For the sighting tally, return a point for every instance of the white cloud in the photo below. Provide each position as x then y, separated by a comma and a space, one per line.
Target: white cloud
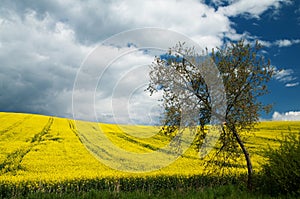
287, 116
39, 58
252, 8
43, 44
94, 21
114, 92
292, 84
279, 43
286, 42
285, 76
283, 43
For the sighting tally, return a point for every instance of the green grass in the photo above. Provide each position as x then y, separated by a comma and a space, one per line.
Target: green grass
222, 192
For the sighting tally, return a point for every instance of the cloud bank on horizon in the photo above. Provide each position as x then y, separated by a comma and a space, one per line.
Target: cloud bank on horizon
288, 116
43, 44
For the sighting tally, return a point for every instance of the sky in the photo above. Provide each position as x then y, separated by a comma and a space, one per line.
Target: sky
89, 59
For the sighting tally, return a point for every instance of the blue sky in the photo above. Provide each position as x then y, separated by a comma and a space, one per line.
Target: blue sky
45, 45
279, 31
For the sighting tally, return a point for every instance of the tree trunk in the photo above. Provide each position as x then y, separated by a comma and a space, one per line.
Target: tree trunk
247, 157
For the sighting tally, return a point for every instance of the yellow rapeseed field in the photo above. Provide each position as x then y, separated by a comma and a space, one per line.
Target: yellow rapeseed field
39, 148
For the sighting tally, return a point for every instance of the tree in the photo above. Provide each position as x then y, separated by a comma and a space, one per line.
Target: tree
183, 75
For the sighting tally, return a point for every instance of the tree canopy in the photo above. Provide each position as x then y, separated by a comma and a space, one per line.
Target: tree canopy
223, 86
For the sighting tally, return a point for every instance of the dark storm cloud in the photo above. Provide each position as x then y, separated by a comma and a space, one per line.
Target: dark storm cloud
92, 20
39, 58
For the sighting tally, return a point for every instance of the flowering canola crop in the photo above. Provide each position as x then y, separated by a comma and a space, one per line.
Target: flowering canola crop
36, 149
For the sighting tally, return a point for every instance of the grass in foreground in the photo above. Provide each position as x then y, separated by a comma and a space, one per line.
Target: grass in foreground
228, 191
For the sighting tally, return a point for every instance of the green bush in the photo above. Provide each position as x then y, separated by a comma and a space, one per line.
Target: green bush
281, 173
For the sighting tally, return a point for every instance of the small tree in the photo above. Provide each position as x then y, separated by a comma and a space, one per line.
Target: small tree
244, 73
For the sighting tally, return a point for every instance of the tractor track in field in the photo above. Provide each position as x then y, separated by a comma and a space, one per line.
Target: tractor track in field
73, 129
102, 152
136, 142
39, 136
12, 162
87, 144
147, 145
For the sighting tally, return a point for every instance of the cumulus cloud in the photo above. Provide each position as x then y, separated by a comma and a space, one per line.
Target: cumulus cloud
251, 8
38, 57
43, 43
287, 116
115, 89
286, 42
93, 21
